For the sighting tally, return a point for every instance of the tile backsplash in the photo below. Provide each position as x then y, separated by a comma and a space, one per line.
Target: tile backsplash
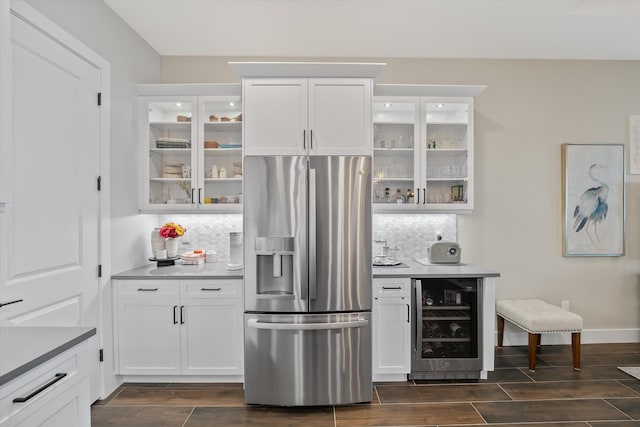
409, 235
207, 232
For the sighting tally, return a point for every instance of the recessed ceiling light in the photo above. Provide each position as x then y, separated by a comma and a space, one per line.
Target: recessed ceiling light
387, 105
439, 105
231, 104
178, 104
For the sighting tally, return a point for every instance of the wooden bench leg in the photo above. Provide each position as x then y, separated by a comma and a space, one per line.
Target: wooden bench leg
500, 330
575, 350
534, 339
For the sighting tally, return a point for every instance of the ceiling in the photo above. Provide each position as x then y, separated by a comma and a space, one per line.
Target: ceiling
547, 29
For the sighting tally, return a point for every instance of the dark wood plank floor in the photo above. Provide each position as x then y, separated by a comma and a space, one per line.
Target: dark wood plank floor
600, 395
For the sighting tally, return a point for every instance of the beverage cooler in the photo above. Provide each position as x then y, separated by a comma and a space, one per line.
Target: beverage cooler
447, 331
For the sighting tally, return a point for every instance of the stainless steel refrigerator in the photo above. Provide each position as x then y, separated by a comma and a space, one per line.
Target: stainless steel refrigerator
307, 280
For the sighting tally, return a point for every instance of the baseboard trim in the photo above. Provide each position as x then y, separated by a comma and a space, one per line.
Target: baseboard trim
381, 378
589, 336
181, 378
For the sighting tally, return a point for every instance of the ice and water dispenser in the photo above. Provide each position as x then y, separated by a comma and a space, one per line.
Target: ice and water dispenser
274, 266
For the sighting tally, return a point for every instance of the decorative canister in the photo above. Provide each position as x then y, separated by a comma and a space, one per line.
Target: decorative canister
235, 249
157, 242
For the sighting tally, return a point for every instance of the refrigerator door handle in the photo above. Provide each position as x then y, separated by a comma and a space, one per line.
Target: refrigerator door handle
358, 323
312, 234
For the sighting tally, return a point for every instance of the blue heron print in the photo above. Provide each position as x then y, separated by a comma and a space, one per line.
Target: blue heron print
592, 207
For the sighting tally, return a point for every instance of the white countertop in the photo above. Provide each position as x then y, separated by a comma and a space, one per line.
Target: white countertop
24, 348
218, 270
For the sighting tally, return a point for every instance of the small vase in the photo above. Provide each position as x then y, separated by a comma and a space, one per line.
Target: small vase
172, 247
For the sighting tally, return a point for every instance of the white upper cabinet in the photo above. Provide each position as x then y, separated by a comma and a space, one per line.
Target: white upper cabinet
190, 148
306, 108
277, 116
326, 116
423, 148
340, 117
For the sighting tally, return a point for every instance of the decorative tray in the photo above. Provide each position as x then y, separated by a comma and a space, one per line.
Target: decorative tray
385, 262
165, 262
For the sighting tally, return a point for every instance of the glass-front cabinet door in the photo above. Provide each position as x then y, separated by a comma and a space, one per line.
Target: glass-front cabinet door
191, 149
220, 182
169, 138
423, 154
448, 158
396, 168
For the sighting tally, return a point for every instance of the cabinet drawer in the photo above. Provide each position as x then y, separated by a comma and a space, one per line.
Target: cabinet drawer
44, 382
223, 288
396, 287
148, 289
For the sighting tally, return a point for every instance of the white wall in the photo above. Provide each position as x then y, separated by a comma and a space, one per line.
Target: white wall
530, 108
132, 61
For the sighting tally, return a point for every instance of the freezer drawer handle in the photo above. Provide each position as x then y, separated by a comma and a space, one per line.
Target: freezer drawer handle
255, 323
396, 288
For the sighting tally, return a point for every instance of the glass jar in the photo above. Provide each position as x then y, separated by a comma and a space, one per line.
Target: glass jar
235, 248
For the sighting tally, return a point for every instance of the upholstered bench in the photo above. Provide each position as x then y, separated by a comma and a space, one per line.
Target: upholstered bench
537, 317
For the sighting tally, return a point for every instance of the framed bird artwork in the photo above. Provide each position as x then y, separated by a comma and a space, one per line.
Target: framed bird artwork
593, 199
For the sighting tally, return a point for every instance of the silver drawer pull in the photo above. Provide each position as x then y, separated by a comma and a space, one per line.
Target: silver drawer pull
147, 289
57, 378
395, 288
210, 289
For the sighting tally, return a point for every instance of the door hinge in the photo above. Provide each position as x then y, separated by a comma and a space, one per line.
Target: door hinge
100, 270
99, 98
99, 183
101, 355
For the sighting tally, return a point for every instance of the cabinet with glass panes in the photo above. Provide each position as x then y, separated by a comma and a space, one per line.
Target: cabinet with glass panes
190, 148
423, 148
221, 162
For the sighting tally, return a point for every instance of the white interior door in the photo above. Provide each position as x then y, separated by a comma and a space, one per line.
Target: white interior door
51, 216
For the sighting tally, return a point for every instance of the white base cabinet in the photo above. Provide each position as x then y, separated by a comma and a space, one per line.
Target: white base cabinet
178, 327
391, 329
212, 343
52, 400
148, 327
